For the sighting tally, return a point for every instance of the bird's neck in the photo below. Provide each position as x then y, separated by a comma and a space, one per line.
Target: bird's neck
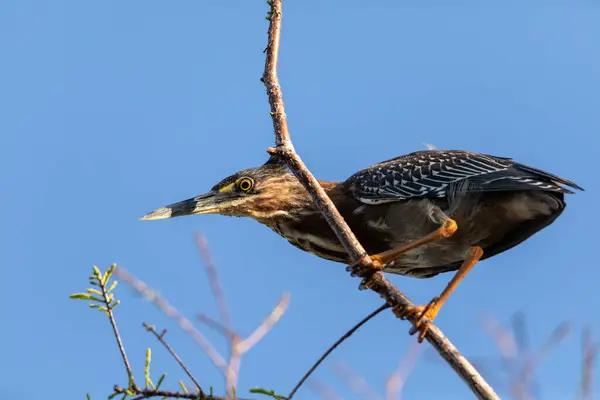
295, 204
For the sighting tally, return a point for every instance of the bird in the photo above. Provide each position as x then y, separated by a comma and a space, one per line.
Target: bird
418, 215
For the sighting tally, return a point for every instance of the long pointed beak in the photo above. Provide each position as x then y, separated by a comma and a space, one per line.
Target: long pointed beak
204, 204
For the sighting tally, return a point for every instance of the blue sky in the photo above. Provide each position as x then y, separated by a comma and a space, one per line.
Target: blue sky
111, 109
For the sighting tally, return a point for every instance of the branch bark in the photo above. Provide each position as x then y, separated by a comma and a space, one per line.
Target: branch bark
284, 149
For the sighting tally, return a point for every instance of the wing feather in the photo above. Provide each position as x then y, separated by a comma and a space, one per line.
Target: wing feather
435, 173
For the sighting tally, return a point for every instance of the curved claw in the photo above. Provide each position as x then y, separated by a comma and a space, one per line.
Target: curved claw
423, 317
358, 268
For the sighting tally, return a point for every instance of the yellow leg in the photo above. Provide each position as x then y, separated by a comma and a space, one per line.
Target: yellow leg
447, 229
430, 311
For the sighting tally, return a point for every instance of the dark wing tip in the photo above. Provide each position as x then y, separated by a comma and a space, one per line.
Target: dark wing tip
555, 179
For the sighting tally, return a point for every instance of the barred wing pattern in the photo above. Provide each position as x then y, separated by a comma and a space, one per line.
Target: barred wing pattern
436, 173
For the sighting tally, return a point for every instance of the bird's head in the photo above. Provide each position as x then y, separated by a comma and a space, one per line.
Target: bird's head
263, 193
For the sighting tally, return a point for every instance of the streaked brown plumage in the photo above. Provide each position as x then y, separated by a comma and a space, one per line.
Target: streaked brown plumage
495, 202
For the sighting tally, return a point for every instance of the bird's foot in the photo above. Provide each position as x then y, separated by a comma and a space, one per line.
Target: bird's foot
365, 270
421, 316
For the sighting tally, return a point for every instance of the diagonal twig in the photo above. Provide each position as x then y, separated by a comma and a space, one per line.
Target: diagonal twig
106, 297
590, 353
266, 325
214, 324
504, 339
396, 381
323, 390
354, 381
233, 366
215, 282
172, 312
237, 345
165, 394
522, 382
285, 151
334, 346
162, 340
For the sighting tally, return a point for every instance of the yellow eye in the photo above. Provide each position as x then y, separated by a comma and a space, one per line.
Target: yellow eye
245, 184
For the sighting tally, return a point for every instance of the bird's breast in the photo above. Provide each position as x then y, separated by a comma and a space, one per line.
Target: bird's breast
313, 239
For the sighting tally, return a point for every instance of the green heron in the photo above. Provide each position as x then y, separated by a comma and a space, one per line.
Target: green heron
418, 215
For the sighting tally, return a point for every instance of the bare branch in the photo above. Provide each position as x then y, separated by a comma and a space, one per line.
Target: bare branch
237, 346
396, 381
215, 282
266, 325
232, 370
357, 383
162, 340
334, 346
172, 312
504, 339
378, 283
216, 325
151, 393
590, 352
113, 323
522, 381
323, 390
521, 333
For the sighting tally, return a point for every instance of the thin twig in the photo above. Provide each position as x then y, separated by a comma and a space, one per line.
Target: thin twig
334, 346
323, 390
151, 393
266, 325
113, 323
521, 334
172, 312
504, 339
523, 380
215, 282
354, 381
590, 352
396, 381
378, 283
214, 324
517, 359
233, 366
162, 340
237, 345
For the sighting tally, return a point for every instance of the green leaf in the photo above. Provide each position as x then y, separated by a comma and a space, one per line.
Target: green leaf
99, 307
183, 386
81, 296
116, 303
160, 380
108, 273
112, 396
147, 368
270, 393
97, 273
112, 286
88, 397
94, 291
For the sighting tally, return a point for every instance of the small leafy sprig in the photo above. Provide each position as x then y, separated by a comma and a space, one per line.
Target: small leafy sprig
102, 298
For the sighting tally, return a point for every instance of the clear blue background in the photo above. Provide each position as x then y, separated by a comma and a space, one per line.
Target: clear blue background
111, 109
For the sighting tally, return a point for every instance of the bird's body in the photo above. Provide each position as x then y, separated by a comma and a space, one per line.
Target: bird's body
495, 202
494, 221
419, 215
